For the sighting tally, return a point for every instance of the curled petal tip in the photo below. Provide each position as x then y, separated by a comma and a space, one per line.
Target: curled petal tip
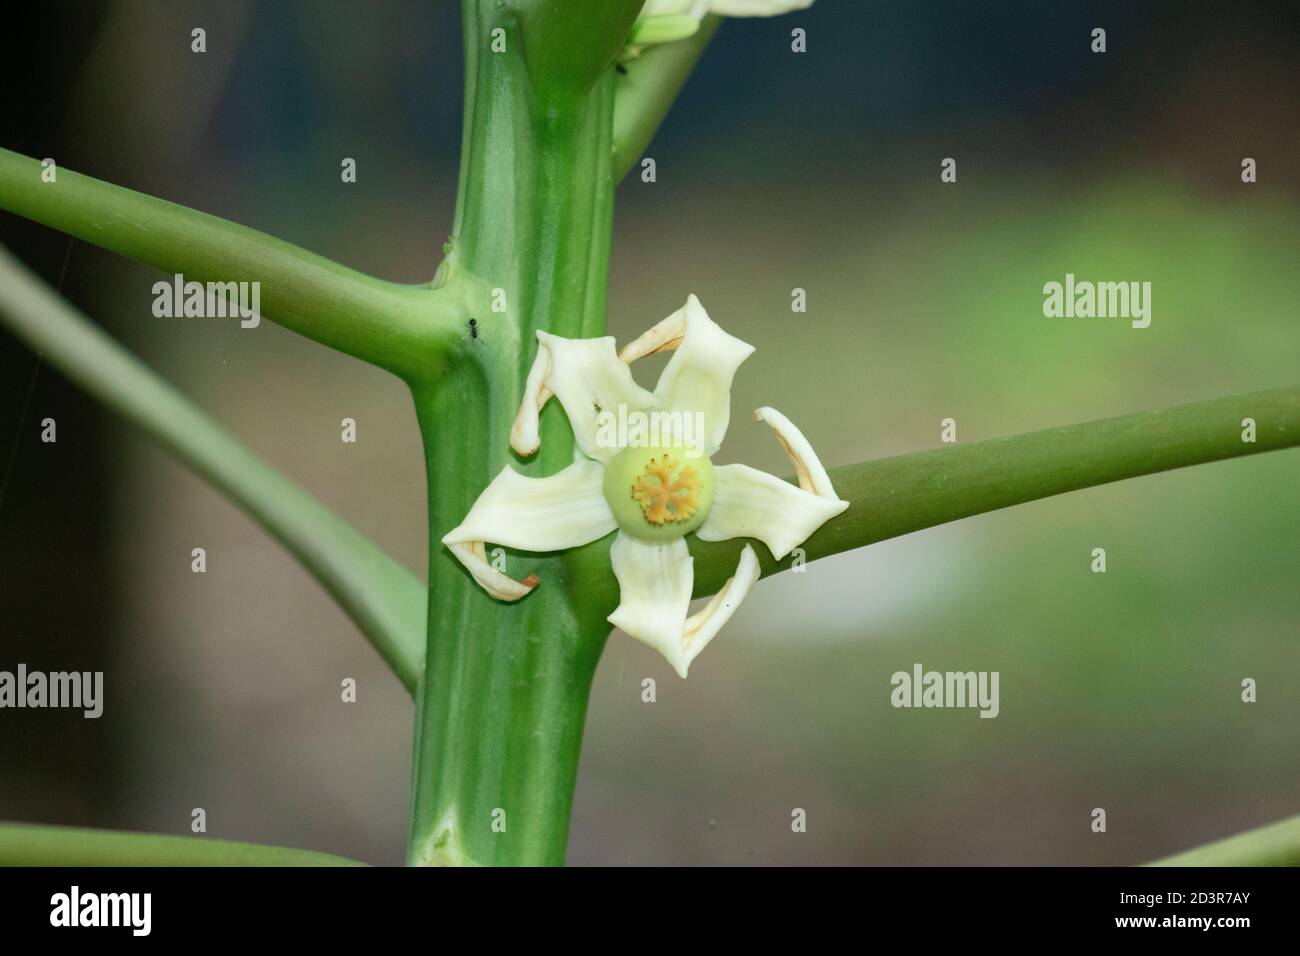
808, 467
473, 556
523, 436
561, 511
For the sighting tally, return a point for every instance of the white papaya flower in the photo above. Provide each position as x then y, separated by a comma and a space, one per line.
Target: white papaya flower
643, 467
662, 21
756, 8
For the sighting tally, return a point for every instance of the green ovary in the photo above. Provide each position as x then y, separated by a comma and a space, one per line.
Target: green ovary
658, 494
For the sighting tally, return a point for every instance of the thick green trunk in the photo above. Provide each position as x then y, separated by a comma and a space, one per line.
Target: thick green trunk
501, 706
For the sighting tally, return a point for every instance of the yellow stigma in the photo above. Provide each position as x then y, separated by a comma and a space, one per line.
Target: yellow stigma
667, 492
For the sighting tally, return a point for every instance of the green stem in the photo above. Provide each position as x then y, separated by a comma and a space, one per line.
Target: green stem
502, 705
24, 844
396, 327
1277, 844
384, 599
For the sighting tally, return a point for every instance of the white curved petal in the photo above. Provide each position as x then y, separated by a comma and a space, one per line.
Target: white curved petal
726, 8
698, 376
807, 466
757, 8
654, 582
668, 8
560, 511
524, 437
665, 21
473, 554
662, 28
663, 336
748, 503
702, 626
588, 378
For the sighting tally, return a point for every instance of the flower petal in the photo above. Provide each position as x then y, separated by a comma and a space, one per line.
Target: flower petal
655, 582
756, 8
702, 626
808, 467
561, 511
748, 503
663, 8
524, 436
473, 554
662, 28
663, 336
698, 376
587, 377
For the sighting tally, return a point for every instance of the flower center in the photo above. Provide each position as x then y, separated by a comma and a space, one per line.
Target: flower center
658, 494
668, 491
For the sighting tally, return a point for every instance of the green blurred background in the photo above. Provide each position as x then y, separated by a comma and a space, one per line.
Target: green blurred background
776, 171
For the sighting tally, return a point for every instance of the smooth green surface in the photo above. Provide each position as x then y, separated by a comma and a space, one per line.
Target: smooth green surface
500, 716
1277, 844
384, 599
24, 844
397, 327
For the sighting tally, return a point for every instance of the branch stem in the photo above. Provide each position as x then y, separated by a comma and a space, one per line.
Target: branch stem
891, 497
1277, 844
27, 844
384, 599
397, 327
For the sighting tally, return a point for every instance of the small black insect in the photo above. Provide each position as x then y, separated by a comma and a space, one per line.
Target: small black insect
473, 328
620, 68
